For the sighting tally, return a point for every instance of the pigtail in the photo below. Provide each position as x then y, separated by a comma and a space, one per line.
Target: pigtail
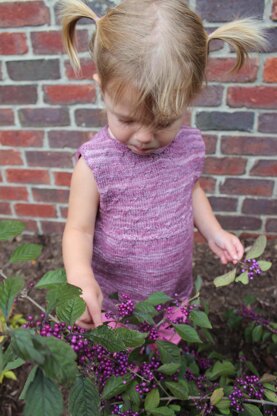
70, 11
243, 35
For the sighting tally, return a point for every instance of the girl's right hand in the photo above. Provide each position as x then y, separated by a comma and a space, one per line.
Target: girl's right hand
93, 297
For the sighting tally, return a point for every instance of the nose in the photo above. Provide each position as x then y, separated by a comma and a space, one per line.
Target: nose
144, 136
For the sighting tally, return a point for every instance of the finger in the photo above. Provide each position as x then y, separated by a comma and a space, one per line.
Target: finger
217, 250
96, 315
85, 325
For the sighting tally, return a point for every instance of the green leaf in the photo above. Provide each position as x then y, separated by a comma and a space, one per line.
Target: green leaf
217, 395
180, 390
22, 342
1, 360
200, 319
224, 406
169, 353
145, 312
224, 368
163, 411
270, 395
26, 252
66, 299
257, 249
14, 364
51, 278
129, 337
175, 407
152, 400
257, 333
198, 283
243, 278
187, 333
264, 265
158, 298
106, 337
10, 229
84, 398
9, 289
29, 380
113, 387
252, 410
169, 369
226, 279
43, 398
70, 310
133, 395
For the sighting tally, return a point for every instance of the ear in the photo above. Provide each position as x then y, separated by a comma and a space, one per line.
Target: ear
97, 78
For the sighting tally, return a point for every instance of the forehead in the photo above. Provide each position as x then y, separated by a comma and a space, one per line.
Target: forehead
125, 105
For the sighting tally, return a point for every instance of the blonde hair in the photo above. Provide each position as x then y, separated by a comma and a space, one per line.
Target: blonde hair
160, 47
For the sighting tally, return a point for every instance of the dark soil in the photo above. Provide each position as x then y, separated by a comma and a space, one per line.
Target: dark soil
206, 265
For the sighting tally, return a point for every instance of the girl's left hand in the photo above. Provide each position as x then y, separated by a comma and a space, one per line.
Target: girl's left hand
226, 246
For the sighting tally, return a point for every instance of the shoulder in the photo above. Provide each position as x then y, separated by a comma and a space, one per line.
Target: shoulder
191, 139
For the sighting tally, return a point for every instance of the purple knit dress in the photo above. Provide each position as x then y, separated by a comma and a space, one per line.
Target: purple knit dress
144, 227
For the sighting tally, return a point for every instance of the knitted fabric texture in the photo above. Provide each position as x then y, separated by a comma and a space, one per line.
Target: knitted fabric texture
143, 236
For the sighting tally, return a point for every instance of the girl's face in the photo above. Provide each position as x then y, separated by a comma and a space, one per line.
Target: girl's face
139, 138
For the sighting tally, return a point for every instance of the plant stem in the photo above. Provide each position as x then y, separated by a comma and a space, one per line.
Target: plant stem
262, 402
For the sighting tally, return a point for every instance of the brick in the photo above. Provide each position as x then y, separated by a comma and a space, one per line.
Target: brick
223, 203
69, 94
267, 123
21, 138
271, 225
5, 208
34, 70
236, 222
274, 10
48, 43
49, 159
208, 184
13, 193
68, 138
13, 43
6, 117
62, 178
90, 118
264, 168
210, 96
224, 166
10, 157
44, 117
220, 120
216, 44
252, 97
23, 13
18, 94
1, 72
260, 206
35, 210
210, 143
253, 187
214, 11
248, 145
272, 39
64, 212
218, 70
50, 195
270, 70
28, 176
88, 68
52, 227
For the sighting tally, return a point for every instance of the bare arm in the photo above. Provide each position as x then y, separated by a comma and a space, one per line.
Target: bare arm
78, 241
224, 244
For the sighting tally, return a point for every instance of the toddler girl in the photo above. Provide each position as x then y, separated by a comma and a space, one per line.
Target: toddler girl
135, 194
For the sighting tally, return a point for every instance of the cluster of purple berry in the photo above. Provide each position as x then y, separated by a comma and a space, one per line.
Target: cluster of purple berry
245, 387
117, 411
126, 307
248, 313
146, 371
153, 333
251, 266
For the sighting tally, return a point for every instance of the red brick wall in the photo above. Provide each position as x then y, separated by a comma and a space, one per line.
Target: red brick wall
45, 113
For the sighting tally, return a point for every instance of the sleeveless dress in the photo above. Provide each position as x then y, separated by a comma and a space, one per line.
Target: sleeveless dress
143, 236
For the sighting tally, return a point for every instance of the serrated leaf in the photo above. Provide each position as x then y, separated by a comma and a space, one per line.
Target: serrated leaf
10, 229
217, 395
264, 265
158, 298
224, 368
200, 319
106, 337
130, 338
187, 333
22, 342
14, 364
179, 390
70, 310
169, 369
113, 387
270, 395
84, 398
9, 289
226, 279
152, 400
133, 395
257, 333
169, 353
268, 378
243, 278
28, 381
175, 407
43, 397
51, 278
257, 249
252, 410
26, 252
163, 411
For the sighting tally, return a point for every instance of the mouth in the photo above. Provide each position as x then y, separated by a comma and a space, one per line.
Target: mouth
141, 151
